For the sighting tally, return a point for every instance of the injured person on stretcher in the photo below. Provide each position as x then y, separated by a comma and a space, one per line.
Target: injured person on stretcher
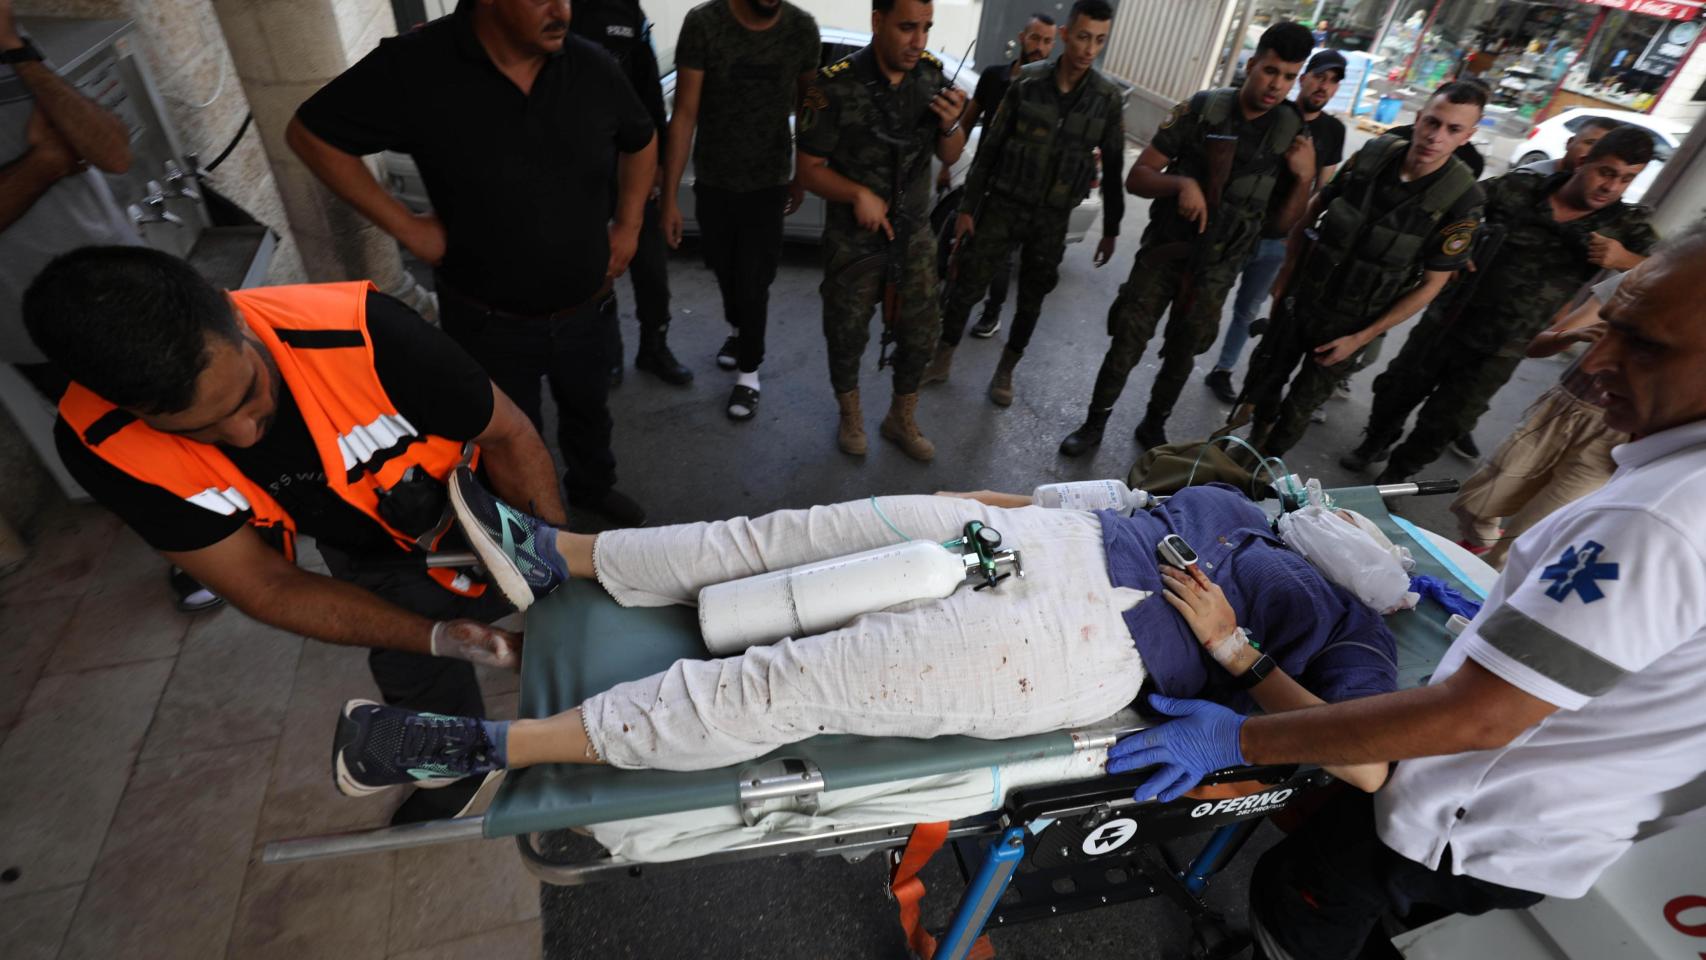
1096, 617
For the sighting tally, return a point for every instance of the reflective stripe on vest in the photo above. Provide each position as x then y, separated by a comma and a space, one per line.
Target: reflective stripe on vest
223, 502
363, 442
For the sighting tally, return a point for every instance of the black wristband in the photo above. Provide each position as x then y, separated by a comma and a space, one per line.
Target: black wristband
1258, 672
24, 54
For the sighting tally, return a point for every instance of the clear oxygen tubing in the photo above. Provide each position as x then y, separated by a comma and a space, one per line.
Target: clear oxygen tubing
1262, 463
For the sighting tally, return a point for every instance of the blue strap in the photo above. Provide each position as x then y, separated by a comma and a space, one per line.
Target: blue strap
1426, 543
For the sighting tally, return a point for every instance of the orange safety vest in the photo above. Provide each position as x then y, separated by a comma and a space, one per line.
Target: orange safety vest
317, 335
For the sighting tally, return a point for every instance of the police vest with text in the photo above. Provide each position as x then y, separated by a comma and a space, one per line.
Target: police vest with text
1359, 263
317, 336
1048, 157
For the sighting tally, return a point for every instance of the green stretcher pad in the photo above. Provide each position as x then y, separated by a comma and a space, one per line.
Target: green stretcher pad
580, 642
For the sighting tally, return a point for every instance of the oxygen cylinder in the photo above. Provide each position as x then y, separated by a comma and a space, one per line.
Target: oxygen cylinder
1092, 495
814, 597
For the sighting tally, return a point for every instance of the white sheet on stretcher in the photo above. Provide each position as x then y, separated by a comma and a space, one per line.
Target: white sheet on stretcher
683, 836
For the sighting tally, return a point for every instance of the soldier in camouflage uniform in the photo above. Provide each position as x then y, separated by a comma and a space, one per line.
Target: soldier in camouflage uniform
1559, 231
1190, 252
1387, 234
1034, 165
871, 120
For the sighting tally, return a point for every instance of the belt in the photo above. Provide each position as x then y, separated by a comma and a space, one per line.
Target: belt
447, 292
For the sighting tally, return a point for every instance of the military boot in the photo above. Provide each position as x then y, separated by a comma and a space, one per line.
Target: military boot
1001, 385
655, 358
901, 428
1151, 433
1079, 441
1364, 457
940, 362
850, 432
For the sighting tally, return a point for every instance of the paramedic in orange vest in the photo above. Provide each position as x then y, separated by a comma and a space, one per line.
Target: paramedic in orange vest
223, 425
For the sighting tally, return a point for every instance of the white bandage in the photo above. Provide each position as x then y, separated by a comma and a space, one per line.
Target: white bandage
1227, 652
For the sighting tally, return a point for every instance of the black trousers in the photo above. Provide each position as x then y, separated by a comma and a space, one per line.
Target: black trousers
649, 273
741, 233
1320, 893
568, 349
416, 680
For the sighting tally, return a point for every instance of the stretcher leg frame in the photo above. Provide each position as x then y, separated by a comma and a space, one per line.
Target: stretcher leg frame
984, 893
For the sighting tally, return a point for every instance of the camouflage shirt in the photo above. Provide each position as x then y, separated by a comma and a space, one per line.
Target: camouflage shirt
1258, 164
856, 120
750, 86
1039, 148
1541, 263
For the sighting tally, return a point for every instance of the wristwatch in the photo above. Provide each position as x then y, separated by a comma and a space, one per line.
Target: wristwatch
23, 54
1258, 672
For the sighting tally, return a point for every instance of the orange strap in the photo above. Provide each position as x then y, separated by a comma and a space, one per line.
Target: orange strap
908, 891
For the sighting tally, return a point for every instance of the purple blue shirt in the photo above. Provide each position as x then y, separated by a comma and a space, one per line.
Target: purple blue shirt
1318, 633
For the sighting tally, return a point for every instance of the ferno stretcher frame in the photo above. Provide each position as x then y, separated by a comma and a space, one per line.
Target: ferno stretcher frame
1087, 837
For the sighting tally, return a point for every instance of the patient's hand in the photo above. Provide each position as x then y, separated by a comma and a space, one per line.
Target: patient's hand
1200, 601
990, 497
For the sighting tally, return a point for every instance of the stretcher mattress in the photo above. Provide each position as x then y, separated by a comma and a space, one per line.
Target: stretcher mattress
581, 642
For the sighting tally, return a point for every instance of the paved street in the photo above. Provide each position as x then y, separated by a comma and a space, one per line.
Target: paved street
685, 461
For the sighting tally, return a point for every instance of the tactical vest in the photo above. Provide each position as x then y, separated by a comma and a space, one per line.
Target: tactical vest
1360, 264
1244, 198
1048, 157
317, 336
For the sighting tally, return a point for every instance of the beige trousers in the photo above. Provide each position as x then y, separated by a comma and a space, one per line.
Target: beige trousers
1560, 453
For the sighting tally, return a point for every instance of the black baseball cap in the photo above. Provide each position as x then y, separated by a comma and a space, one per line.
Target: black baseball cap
1326, 60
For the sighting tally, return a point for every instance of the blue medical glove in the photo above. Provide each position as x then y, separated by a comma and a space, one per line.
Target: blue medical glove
1202, 740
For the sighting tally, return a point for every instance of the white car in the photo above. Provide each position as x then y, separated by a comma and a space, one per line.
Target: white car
1546, 141
404, 180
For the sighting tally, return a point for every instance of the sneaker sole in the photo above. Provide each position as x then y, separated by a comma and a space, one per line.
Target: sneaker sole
500, 567
985, 336
348, 785
727, 363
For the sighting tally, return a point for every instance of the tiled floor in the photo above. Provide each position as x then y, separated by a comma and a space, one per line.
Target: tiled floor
149, 756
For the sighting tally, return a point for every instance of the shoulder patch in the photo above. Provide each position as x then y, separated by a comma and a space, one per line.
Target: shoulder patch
814, 99
1178, 112
1469, 224
839, 66
1581, 571
930, 58
1457, 242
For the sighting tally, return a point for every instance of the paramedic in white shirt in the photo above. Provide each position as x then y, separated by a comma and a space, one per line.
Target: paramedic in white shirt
1564, 724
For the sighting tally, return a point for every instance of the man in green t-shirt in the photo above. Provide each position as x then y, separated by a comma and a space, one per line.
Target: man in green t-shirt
741, 68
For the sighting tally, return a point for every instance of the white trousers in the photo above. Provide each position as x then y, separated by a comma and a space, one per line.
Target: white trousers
1038, 654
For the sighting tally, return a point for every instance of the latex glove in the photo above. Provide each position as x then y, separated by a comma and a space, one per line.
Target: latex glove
476, 642
1202, 740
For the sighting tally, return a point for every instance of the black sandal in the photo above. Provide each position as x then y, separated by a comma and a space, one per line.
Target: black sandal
193, 597
742, 397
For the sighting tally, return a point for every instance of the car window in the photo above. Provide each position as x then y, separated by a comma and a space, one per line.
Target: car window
833, 51
1575, 123
1661, 150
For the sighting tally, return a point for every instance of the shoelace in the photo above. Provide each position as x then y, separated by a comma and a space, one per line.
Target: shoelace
455, 744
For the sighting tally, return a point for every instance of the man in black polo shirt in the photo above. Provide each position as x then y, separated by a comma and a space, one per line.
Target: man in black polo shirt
1036, 41
515, 126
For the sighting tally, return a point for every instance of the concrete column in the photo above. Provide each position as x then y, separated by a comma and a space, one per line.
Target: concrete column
284, 50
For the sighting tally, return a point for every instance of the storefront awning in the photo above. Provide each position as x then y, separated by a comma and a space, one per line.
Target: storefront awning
1668, 9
